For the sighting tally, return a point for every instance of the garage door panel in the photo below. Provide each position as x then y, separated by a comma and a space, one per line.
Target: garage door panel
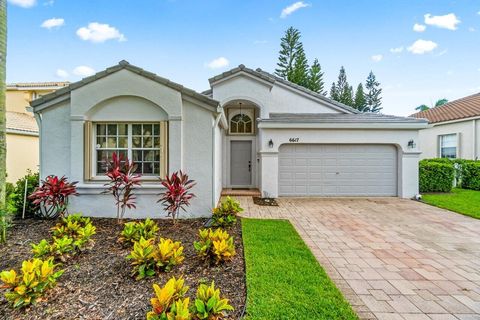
337, 170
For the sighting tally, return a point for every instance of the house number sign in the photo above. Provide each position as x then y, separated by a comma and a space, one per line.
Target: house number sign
293, 139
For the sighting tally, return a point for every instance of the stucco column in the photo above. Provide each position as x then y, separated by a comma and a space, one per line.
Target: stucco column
409, 174
175, 144
269, 174
76, 148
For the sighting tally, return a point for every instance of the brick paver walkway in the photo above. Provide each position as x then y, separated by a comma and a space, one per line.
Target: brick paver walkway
391, 258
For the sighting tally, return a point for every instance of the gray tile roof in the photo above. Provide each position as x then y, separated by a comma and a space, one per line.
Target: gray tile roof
269, 77
120, 66
340, 118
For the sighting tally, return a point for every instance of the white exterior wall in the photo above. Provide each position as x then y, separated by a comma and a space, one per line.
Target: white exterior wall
269, 99
407, 158
125, 96
469, 139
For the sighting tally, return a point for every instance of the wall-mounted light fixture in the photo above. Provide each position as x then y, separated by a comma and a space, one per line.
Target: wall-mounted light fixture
411, 144
270, 143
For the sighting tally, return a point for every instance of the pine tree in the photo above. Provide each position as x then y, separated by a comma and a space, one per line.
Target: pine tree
334, 92
373, 98
342, 91
300, 69
360, 102
290, 44
315, 78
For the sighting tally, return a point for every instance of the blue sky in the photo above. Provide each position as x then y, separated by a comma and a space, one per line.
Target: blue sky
190, 41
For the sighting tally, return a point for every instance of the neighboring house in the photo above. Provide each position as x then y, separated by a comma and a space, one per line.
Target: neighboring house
454, 130
250, 130
22, 130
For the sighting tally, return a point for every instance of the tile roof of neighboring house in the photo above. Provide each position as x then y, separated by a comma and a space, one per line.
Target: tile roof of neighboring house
462, 108
21, 122
337, 117
269, 77
37, 85
124, 65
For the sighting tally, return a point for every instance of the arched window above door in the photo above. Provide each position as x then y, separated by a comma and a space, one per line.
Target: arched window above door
241, 124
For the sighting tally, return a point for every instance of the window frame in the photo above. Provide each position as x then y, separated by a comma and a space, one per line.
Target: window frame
92, 154
441, 147
249, 112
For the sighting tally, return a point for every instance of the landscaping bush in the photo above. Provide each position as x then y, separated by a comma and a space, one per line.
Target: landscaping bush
147, 258
51, 197
168, 302
133, 231
37, 277
209, 304
71, 235
215, 245
178, 195
15, 195
225, 214
471, 175
436, 175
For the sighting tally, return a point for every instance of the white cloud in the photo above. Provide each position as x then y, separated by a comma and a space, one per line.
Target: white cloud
396, 50
62, 73
419, 27
53, 23
49, 3
422, 46
441, 53
217, 63
292, 8
23, 3
377, 57
100, 32
83, 71
448, 21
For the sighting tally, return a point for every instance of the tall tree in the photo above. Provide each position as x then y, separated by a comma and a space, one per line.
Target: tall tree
315, 78
360, 102
373, 95
300, 69
289, 46
3, 149
342, 91
438, 103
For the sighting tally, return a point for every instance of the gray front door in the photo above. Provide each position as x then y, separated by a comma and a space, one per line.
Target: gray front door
241, 163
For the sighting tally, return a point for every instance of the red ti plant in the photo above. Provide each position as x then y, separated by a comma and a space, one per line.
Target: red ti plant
51, 196
123, 179
178, 195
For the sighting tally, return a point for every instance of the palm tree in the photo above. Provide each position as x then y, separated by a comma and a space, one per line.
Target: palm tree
438, 103
422, 107
3, 144
441, 102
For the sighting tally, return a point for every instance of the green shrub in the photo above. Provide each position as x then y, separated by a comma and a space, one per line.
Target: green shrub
471, 175
215, 245
436, 176
37, 277
133, 231
226, 213
17, 192
209, 304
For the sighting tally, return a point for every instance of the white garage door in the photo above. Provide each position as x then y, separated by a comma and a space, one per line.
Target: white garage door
337, 170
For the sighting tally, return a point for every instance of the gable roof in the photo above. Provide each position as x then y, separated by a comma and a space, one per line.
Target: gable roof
366, 117
271, 78
127, 66
462, 108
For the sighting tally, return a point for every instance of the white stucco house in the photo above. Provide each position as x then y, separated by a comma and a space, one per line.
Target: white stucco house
454, 130
251, 129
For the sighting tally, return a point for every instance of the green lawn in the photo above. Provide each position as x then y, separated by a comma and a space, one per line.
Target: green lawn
284, 280
463, 201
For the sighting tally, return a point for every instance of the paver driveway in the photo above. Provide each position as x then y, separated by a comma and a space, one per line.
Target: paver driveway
392, 258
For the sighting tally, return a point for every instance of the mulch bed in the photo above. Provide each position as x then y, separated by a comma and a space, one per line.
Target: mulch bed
97, 284
269, 202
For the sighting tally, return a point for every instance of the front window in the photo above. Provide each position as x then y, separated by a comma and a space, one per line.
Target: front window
241, 123
144, 143
448, 146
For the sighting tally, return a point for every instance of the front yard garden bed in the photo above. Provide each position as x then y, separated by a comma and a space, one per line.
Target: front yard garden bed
97, 284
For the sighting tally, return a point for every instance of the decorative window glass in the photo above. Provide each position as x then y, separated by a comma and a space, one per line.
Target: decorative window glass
448, 146
242, 124
144, 143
